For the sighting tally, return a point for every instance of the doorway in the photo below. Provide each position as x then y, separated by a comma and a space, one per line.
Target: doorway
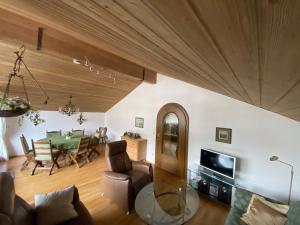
172, 139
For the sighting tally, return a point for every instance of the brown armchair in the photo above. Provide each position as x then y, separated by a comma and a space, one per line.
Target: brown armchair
125, 178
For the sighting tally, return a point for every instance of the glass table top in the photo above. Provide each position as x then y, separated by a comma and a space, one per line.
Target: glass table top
166, 208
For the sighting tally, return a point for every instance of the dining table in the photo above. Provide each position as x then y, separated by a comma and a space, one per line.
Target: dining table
67, 142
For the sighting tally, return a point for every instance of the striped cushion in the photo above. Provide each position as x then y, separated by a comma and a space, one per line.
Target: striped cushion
78, 132
43, 157
42, 150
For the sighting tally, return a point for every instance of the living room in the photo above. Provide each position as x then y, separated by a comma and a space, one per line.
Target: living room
233, 96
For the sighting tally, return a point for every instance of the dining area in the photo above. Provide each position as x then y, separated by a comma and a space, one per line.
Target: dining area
61, 149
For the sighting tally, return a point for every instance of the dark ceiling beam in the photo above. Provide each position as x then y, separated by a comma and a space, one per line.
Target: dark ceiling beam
17, 28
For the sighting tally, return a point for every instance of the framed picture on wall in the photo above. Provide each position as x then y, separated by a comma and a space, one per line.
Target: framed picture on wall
223, 135
139, 122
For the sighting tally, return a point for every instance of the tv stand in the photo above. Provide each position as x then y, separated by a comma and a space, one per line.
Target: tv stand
209, 184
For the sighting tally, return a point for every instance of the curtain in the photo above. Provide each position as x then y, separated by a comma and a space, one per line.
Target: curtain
3, 147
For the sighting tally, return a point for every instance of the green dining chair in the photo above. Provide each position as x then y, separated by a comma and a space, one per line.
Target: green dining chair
44, 153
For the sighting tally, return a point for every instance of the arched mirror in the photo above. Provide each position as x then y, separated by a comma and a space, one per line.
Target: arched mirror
170, 135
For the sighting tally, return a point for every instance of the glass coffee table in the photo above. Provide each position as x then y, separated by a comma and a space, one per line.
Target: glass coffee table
166, 208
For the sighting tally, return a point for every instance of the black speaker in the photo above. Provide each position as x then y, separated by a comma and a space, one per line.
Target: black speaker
213, 190
203, 186
225, 194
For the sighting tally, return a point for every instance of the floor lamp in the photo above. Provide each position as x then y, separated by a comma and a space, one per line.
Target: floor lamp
276, 158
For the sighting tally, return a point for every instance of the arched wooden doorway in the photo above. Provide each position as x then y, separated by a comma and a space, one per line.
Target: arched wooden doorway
172, 139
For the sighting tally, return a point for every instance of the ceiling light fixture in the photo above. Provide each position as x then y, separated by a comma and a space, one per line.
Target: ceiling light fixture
95, 69
69, 109
76, 61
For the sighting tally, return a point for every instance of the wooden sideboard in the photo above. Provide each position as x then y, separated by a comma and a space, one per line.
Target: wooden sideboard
136, 148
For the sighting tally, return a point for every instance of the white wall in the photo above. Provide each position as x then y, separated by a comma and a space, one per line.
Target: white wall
54, 121
257, 134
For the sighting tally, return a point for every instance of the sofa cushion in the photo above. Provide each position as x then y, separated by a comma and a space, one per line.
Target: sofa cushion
279, 207
242, 199
55, 207
262, 214
4, 219
23, 212
7, 194
294, 214
84, 216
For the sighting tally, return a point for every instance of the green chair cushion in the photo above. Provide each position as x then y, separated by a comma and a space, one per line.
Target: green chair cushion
294, 214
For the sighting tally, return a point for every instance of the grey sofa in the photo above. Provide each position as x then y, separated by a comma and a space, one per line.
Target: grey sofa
241, 202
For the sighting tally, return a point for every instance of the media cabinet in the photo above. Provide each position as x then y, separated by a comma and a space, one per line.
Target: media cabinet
209, 184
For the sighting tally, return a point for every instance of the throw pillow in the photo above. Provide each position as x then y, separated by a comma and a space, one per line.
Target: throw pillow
281, 208
262, 214
55, 207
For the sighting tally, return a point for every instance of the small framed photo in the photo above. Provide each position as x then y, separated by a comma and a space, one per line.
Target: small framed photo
139, 122
223, 135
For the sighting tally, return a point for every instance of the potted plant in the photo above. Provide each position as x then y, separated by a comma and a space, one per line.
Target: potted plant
11, 107
68, 135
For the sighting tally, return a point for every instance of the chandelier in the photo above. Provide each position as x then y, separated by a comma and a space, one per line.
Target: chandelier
69, 109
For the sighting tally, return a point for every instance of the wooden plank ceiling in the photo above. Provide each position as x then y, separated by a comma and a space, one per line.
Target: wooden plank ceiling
111, 78
248, 50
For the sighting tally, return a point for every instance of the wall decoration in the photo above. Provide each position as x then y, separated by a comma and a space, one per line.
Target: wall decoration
33, 116
139, 122
223, 135
81, 119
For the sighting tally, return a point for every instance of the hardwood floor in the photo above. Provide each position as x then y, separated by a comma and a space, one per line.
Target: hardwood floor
88, 180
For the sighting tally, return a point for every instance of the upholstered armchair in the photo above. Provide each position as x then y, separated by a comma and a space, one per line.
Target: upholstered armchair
124, 178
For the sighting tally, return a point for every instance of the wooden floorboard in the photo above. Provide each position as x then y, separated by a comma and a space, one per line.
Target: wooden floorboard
88, 180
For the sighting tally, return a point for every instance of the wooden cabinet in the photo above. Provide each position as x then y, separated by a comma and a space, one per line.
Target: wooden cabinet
136, 148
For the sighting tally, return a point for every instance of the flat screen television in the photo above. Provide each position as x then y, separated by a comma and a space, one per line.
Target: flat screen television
218, 162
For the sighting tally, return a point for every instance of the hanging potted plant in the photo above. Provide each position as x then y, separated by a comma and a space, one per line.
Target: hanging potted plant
16, 106
12, 107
